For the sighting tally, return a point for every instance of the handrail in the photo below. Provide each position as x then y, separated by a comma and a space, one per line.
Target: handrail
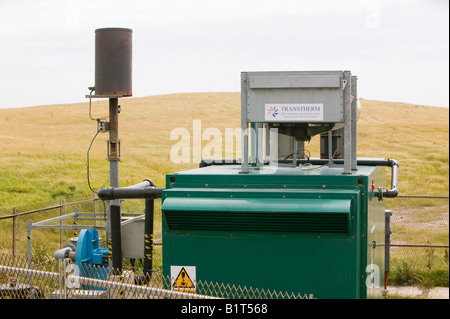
50, 208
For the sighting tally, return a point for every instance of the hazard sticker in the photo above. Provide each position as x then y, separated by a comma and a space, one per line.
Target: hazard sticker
183, 278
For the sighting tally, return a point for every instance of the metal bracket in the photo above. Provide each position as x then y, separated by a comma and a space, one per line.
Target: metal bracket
112, 96
102, 125
343, 84
113, 150
380, 193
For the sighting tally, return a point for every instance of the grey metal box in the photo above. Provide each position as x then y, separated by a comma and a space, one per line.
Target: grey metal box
133, 237
294, 96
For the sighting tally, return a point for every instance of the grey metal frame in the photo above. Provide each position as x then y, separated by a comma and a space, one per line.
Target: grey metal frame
44, 225
336, 90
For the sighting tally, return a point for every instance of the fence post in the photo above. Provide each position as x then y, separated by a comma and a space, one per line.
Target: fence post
15, 230
95, 206
62, 212
29, 227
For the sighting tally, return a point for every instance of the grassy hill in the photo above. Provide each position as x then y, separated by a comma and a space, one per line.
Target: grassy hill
43, 148
43, 157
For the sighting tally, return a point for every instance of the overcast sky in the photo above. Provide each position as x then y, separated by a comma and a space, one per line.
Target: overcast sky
399, 49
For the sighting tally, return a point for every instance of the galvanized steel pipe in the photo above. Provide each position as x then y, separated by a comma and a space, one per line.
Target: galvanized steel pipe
393, 164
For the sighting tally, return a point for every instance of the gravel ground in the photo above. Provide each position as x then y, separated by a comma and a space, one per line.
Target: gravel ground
417, 292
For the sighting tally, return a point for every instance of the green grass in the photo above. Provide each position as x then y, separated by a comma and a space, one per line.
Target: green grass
427, 267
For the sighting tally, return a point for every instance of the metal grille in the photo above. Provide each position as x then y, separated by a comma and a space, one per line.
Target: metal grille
283, 222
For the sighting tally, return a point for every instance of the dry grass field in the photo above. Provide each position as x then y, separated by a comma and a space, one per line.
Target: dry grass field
43, 153
43, 148
43, 156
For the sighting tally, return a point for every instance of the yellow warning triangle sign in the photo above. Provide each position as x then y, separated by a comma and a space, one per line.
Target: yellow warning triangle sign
183, 281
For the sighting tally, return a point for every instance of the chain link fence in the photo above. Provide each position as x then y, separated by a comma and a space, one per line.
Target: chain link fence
419, 251
54, 224
63, 279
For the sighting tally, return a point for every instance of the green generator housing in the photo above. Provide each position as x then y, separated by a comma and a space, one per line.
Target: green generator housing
311, 231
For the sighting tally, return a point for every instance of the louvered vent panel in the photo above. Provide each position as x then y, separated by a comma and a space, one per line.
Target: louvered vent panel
274, 222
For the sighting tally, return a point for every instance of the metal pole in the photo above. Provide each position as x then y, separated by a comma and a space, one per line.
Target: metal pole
116, 239
354, 121
114, 205
347, 124
387, 244
113, 143
330, 148
62, 212
148, 237
29, 226
244, 124
15, 229
295, 151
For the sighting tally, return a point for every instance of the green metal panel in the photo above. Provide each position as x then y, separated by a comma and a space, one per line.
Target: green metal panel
284, 229
258, 205
257, 215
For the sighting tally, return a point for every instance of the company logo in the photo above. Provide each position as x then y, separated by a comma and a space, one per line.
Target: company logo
293, 112
272, 111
